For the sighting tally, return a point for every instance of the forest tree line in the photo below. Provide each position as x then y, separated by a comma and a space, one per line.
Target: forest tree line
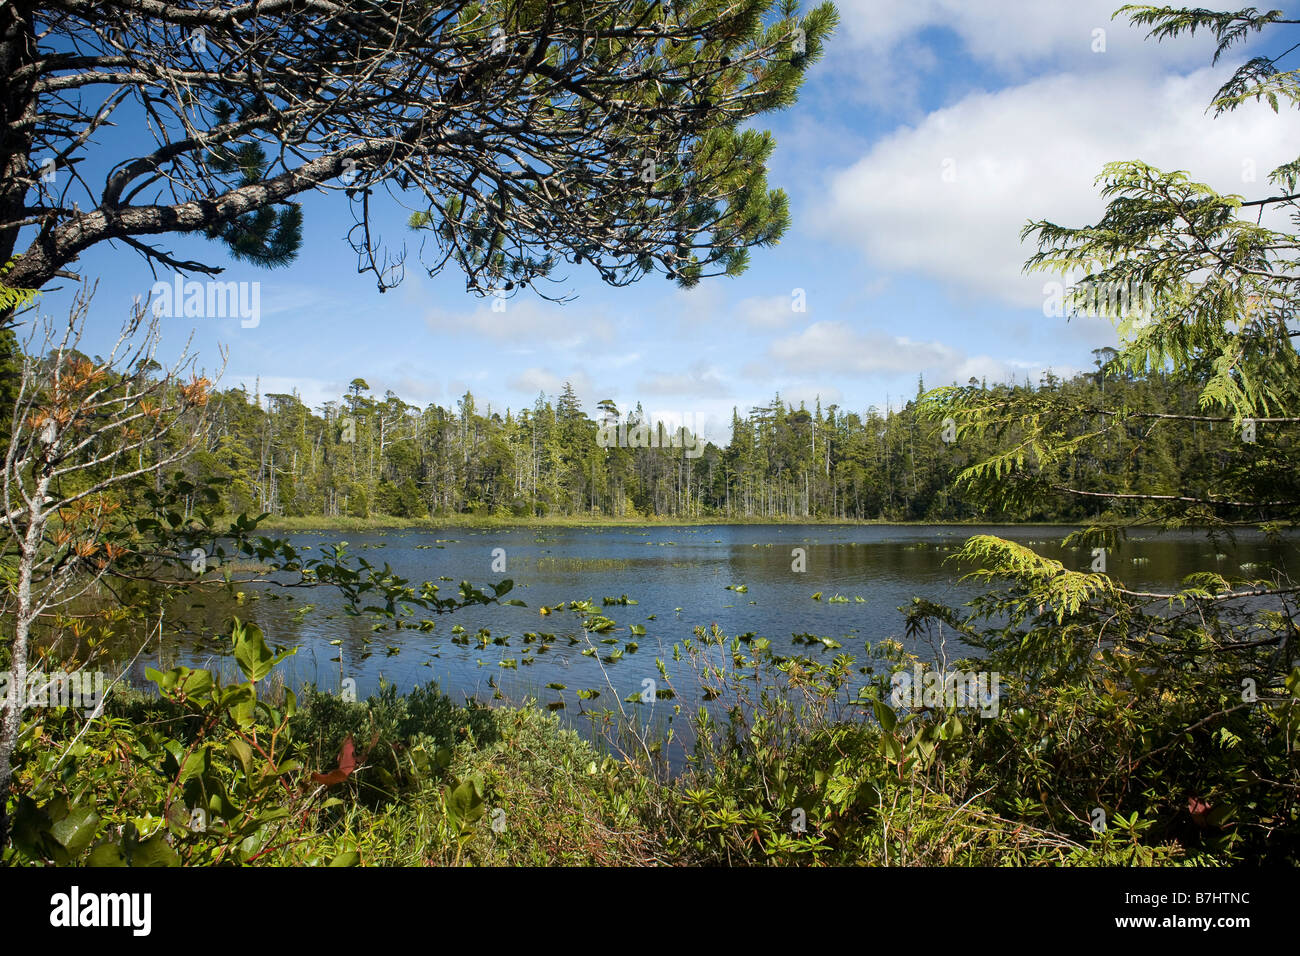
366, 455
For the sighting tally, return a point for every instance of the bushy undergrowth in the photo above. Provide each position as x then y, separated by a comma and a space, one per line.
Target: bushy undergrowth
794, 761
1151, 748
195, 776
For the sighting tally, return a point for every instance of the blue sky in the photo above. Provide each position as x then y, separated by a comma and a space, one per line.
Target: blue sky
929, 134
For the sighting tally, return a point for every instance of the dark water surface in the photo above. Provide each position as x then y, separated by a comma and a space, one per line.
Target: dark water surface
678, 575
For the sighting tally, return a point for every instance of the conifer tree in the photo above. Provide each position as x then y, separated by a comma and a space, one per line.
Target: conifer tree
527, 136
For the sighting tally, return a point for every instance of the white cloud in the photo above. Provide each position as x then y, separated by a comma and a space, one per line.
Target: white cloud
409, 387
315, 392
1032, 152
533, 380
700, 380
993, 370
810, 393
312, 392
1006, 33
893, 56
835, 348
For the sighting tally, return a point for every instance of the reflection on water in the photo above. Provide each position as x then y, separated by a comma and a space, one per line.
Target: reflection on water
679, 578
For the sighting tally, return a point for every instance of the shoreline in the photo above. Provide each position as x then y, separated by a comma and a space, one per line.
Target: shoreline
388, 523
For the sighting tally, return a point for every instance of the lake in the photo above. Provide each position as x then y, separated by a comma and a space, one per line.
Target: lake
678, 577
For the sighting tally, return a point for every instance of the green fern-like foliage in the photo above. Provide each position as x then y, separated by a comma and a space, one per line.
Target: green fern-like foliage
1152, 701
15, 298
1047, 583
1260, 78
1208, 293
12, 299
1220, 285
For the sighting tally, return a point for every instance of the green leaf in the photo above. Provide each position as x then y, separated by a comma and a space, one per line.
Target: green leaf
106, 854
242, 752
154, 852
885, 714
465, 803
198, 762
892, 748
75, 831
251, 653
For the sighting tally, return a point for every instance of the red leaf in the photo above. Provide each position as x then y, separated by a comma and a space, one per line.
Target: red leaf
1198, 809
347, 763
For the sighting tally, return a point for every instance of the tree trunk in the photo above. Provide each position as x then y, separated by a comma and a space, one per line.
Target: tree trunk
17, 109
